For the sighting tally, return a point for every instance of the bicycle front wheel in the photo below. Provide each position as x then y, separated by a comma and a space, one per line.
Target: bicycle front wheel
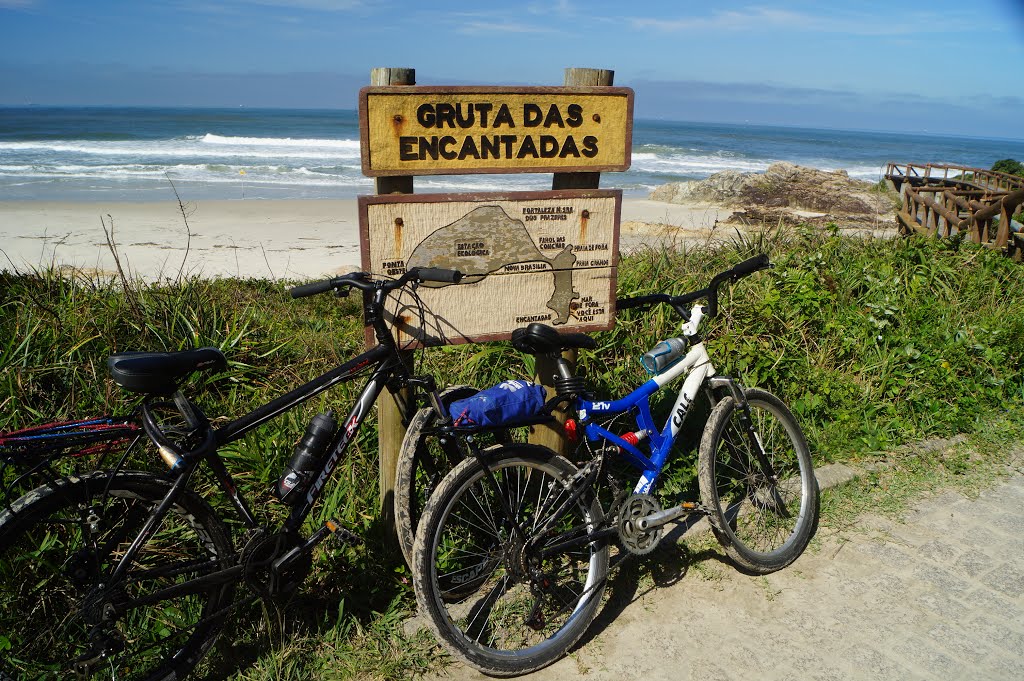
61, 615
758, 484
503, 568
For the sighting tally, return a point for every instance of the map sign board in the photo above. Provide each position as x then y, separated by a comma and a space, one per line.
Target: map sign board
493, 129
527, 257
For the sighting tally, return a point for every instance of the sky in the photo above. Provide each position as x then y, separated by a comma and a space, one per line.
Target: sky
944, 66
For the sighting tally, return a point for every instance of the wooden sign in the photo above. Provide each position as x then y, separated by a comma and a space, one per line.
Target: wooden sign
527, 257
460, 130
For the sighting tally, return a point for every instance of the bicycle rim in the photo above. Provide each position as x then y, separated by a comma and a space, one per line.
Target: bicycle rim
763, 524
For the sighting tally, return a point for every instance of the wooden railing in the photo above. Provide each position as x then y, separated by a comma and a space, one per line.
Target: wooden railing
943, 200
934, 173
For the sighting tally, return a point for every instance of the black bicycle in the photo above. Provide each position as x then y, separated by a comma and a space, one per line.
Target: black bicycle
130, 575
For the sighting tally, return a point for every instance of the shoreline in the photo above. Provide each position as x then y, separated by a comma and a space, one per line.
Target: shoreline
259, 238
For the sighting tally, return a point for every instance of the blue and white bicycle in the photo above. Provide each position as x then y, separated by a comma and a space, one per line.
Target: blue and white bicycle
512, 550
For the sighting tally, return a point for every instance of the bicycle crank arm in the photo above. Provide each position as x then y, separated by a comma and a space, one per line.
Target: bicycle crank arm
330, 527
656, 520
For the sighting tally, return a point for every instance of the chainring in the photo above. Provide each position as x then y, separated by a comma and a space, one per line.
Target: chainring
632, 538
260, 552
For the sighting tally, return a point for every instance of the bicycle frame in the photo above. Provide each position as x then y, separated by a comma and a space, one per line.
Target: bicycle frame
698, 368
388, 367
389, 370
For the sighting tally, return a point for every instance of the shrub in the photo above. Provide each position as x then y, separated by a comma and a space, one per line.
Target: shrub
1009, 166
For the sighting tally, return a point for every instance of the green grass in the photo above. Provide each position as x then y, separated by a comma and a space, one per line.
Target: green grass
874, 344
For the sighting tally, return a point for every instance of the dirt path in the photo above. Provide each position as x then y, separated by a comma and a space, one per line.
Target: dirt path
938, 596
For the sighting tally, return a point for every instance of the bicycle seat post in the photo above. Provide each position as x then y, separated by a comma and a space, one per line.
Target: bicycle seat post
568, 384
564, 367
186, 410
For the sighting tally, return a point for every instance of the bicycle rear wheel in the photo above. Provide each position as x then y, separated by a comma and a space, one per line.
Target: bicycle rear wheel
504, 603
424, 460
763, 516
59, 611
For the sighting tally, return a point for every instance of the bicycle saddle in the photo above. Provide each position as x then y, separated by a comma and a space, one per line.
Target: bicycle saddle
158, 373
541, 339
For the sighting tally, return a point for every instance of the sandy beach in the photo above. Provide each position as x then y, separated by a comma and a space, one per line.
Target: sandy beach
280, 239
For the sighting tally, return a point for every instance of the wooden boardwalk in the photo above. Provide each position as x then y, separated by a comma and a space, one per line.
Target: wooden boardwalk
945, 200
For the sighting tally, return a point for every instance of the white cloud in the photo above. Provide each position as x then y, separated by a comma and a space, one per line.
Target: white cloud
767, 18
492, 27
561, 7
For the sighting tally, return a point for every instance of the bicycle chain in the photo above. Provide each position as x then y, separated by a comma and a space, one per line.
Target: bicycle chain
617, 503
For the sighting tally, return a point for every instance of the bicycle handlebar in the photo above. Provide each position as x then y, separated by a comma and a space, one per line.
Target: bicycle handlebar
744, 269
362, 281
438, 274
313, 289
751, 265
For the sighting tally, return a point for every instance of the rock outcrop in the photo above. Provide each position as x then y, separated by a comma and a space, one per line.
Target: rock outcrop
786, 192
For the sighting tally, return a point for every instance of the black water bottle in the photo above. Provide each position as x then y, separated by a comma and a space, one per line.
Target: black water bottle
306, 458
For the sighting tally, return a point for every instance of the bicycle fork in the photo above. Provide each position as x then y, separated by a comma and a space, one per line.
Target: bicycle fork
749, 431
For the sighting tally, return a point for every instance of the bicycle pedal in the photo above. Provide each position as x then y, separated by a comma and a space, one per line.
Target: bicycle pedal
343, 534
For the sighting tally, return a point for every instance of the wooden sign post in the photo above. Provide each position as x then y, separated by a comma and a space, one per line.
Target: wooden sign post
390, 426
546, 256
545, 368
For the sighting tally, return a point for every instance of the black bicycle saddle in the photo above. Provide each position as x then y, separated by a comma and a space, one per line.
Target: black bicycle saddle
541, 339
158, 373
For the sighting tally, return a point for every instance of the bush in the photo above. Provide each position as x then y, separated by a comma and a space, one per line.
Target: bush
1009, 166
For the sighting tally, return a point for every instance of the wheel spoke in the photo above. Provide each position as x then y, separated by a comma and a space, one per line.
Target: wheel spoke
66, 609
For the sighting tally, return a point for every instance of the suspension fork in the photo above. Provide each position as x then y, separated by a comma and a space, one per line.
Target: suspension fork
737, 392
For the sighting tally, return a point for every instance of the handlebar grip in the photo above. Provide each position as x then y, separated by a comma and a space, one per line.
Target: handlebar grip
312, 289
758, 262
439, 275
640, 301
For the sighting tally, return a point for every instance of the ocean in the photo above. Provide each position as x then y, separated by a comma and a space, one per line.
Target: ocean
134, 154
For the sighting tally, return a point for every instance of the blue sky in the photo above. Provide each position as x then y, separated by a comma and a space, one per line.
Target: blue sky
945, 66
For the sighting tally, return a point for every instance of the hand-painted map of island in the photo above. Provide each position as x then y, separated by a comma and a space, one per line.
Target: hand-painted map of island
525, 256
488, 240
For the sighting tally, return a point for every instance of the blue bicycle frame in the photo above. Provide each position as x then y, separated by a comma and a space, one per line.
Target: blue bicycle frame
697, 367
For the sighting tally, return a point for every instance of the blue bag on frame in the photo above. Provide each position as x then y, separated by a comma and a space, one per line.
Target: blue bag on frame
504, 404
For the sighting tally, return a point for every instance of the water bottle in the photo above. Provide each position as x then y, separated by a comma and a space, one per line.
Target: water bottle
663, 355
306, 457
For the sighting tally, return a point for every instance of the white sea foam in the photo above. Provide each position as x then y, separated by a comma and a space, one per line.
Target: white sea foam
695, 165
345, 145
197, 147
187, 172
288, 165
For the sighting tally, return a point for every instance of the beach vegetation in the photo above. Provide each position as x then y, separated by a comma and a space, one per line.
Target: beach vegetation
875, 343
1009, 166
885, 189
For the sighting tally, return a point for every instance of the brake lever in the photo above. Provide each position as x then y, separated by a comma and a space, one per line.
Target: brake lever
342, 292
